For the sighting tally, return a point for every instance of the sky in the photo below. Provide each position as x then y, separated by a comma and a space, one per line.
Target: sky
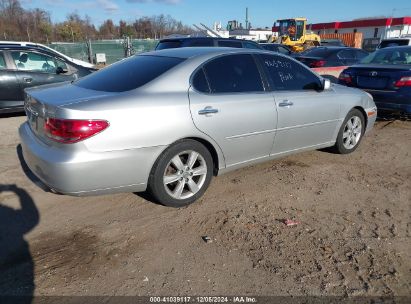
262, 13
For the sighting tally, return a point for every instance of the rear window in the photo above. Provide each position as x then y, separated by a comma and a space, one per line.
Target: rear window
396, 42
128, 74
317, 52
399, 55
168, 45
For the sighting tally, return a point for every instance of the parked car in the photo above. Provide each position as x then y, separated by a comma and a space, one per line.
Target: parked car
23, 67
167, 121
277, 47
332, 42
402, 41
386, 75
171, 43
46, 48
331, 56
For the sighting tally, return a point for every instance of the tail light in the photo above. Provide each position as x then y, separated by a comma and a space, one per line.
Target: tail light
345, 78
70, 131
403, 82
317, 64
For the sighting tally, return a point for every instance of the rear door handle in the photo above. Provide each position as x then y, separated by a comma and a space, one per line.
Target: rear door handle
207, 110
285, 103
28, 79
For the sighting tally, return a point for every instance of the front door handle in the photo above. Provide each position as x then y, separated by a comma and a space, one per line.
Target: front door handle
285, 103
28, 79
207, 110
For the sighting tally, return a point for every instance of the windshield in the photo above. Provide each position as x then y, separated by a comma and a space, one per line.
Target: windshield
394, 42
389, 56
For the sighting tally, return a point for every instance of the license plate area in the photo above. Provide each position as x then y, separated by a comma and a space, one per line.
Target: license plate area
372, 82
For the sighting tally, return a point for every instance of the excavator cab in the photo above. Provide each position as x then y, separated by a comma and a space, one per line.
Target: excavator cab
292, 32
292, 28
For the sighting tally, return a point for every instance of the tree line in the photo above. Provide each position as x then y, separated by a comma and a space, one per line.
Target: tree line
18, 23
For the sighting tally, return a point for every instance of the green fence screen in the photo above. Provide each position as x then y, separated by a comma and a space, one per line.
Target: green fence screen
114, 49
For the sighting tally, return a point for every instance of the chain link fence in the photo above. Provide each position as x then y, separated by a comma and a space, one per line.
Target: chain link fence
113, 49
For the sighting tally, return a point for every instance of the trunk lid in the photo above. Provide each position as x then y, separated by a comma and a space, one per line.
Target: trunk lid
378, 77
45, 101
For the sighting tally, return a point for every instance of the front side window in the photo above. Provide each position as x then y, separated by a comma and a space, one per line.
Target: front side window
233, 74
2, 62
128, 74
287, 75
35, 62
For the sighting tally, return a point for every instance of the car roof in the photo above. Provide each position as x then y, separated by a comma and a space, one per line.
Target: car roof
397, 47
397, 38
189, 52
27, 48
203, 38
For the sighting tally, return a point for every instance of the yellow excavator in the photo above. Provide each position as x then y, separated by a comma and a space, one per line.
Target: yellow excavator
293, 33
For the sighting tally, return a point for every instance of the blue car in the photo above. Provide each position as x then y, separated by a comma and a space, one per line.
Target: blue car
386, 75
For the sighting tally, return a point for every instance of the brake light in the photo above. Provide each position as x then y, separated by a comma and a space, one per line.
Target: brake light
317, 64
403, 82
70, 131
345, 78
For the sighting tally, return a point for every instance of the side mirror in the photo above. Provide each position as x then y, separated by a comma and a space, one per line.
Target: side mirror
326, 84
60, 70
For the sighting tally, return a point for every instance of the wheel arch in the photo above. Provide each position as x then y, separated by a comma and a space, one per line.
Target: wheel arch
362, 110
213, 151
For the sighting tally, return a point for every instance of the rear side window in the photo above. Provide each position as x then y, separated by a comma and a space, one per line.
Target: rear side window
346, 54
168, 45
128, 74
233, 73
200, 82
317, 52
2, 62
360, 54
228, 43
287, 75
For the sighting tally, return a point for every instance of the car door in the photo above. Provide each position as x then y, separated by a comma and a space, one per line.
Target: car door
34, 68
307, 116
228, 102
9, 85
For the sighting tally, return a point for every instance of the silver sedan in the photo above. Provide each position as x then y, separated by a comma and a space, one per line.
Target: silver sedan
167, 121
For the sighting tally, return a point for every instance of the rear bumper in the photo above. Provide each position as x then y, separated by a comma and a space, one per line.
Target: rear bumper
392, 101
394, 107
81, 173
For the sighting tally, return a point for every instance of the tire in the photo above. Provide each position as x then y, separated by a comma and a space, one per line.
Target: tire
175, 179
351, 132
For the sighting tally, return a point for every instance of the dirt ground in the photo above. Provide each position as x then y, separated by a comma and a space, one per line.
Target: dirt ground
353, 236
